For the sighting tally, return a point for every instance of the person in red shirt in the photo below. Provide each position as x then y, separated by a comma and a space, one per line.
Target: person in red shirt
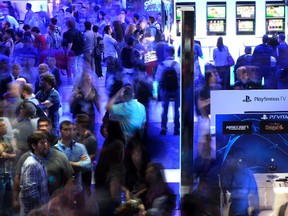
40, 42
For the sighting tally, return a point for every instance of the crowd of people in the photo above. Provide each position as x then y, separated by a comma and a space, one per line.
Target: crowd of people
49, 163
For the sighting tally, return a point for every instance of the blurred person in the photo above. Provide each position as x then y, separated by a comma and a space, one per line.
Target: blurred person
119, 31
17, 72
9, 40
11, 9
49, 98
169, 89
262, 58
18, 44
243, 80
54, 40
111, 48
99, 51
7, 156
243, 60
88, 139
113, 131
109, 176
197, 54
84, 98
129, 31
79, 160
132, 207
91, 41
54, 22
5, 74
237, 179
34, 179
191, 205
205, 173
220, 54
130, 113
42, 69
128, 58
100, 22
29, 14
136, 161
51, 62
39, 42
74, 50
14, 23
157, 187
282, 62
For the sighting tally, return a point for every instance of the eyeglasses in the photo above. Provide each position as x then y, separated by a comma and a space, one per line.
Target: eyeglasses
43, 142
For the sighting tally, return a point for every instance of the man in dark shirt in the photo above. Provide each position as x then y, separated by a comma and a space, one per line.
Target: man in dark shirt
50, 99
282, 62
74, 53
262, 58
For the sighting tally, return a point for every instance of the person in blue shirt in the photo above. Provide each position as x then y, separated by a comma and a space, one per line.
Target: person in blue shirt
79, 160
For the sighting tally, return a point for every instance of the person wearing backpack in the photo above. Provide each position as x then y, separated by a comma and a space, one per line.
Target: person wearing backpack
168, 77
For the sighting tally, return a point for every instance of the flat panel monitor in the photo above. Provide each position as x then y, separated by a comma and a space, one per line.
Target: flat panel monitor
245, 27
274, 11
245, 11
275, 25
216, 11
216, 27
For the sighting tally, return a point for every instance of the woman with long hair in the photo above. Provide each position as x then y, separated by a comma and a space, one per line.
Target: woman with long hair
220, 54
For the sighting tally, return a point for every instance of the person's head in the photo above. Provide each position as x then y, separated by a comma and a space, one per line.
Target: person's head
6, 25
3, 127
44, 123
43, 68
151, 19
61, 12
82, 121
136, 17
220, 43
53, 21
51, 28
210, 78
107, 29
169, 51
66, 130
4, 66
47, 81
142, 23
242, 74
132, 207
154, 174
248, 50
138, 152
281, 38
27, 110
26, 89
87, 25
131, 28
38, 143
68, 12
28, 6
265, 39
128, 93
13, 89
114, 130
101, 15
16, 69
9, 33
26, 27
19, 35
51, 61
95, 28
70, 24
130, 41
35, 31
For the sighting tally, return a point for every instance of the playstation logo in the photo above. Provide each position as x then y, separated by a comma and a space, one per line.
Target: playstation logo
264, 117
247, 99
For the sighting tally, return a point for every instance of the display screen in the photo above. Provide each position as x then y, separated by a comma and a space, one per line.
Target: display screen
246, 11
275, 25
216, 11
246, 26
216, 26
275, 11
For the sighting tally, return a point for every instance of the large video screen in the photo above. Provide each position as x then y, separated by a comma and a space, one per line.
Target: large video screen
275, 25
216, 11
245, 11
216, 26
256, 138
275, 11
245, 26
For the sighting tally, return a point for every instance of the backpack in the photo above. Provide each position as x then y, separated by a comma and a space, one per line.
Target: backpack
99, 49
39, 110
158, 34
79, 43
169, 79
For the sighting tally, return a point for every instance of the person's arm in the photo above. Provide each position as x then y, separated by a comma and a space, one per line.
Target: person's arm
47, 104
84, 163
16, 191
113, 100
